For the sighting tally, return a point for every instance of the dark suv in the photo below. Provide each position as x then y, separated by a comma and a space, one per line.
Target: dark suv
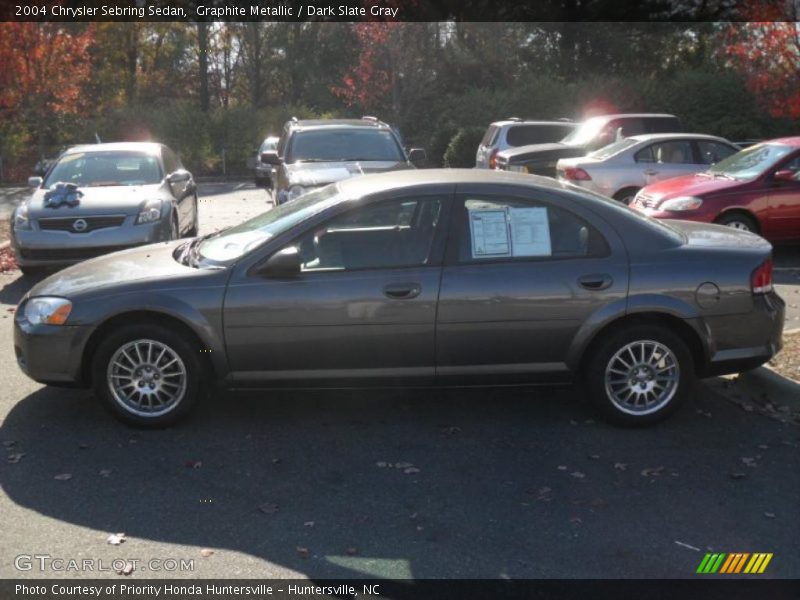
314, 153
592, 134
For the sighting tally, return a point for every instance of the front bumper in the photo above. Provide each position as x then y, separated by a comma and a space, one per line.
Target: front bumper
45, 248
50, 354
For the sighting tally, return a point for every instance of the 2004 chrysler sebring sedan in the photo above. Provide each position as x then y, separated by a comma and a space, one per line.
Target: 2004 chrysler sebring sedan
421, 277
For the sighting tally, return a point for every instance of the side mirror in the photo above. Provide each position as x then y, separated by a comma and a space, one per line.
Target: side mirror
417, 155
179, 176
270, 157
284, 264
785, 175
34, 182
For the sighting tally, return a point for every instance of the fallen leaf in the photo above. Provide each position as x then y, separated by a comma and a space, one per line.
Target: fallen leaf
577, 475
268, 508
63, 477
737, 475
382, 464
308, 524
15, 457
115, 539
544, 494
620, 466
403, 465
594, 456
126, 570
9, 443
194, 464
769, 515
302, 552
652, 471
575, 520
562, 467
411, 470
763, 447
275, 461
206, 552
749, 461
83, 446
104, 472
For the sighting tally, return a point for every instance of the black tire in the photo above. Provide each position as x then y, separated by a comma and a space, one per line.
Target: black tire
196, 224
738, 220
185, 349
601, 394
626, 195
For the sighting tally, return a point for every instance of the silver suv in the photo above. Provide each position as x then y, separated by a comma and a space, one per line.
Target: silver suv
515, 132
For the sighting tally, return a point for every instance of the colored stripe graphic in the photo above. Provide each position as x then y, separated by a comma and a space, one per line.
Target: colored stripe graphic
734, 563
711, 563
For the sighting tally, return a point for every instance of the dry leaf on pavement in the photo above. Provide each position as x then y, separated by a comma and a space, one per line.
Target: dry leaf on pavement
268, 508
63, 477
206, 552
115, 539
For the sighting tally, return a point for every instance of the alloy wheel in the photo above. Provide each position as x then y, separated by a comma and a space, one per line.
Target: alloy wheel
147, 378
642, 377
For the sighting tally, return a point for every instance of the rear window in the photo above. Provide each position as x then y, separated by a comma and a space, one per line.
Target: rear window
662, 125
523, 135
490, 137
339, 144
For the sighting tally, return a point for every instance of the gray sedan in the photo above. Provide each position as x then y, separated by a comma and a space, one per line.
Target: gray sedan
100, 198
433, 277
621, 169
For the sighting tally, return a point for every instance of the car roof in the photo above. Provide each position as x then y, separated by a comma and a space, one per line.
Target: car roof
632, 116
649, 137
528, 122
391, 180
336, 123
788, 141
146, 147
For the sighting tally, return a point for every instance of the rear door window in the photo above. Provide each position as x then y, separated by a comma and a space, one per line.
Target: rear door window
490, 137
523, 135
674, 152
661, 125
713, 152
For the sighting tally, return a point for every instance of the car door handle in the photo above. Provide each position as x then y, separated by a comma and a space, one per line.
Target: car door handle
595, 283
402, 291
651, 172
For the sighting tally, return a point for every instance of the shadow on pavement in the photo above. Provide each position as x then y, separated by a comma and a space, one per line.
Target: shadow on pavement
14, 289
483, 483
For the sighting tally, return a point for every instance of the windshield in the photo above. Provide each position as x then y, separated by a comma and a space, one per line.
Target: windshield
88, 169
585, 133
332, 145
271, 143
231, 244
750, 162
613, 149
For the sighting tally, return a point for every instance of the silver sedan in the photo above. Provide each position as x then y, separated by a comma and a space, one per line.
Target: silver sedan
621, 169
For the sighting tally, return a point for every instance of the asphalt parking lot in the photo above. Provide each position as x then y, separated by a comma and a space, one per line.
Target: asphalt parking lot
485, 483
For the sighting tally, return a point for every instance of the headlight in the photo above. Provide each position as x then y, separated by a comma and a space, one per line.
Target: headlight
21, 220
48, 310
296, 191
682, 203
151, 212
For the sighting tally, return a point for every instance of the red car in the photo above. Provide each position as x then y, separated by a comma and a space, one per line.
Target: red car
757, 189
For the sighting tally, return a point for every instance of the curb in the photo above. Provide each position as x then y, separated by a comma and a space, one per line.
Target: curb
4, 245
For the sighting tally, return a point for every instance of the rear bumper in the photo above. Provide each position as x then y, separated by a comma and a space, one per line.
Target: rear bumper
749, 340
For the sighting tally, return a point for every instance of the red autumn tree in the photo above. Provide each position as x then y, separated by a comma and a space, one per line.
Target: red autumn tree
43, 68
767, 51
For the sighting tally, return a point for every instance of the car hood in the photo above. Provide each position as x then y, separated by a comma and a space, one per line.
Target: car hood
322, 173
689, 185
540, 152
109, 200
151, 262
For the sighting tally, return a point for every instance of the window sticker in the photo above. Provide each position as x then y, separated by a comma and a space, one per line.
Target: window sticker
489, 232
530, 232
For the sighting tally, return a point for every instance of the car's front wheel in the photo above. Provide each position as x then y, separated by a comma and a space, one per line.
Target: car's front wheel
640, 374
147, 375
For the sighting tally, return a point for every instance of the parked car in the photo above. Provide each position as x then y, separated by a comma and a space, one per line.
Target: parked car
314, 153
621, 169
513, 133
757, 190
264, 170
592, 134
447, 277
101, 198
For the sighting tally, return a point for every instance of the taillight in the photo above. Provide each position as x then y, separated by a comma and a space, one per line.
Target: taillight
576, 174
761, 279
493, 158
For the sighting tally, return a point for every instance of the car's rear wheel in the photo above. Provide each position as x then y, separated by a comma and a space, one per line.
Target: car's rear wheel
627, 195
147, 375
739, 221
640, 374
